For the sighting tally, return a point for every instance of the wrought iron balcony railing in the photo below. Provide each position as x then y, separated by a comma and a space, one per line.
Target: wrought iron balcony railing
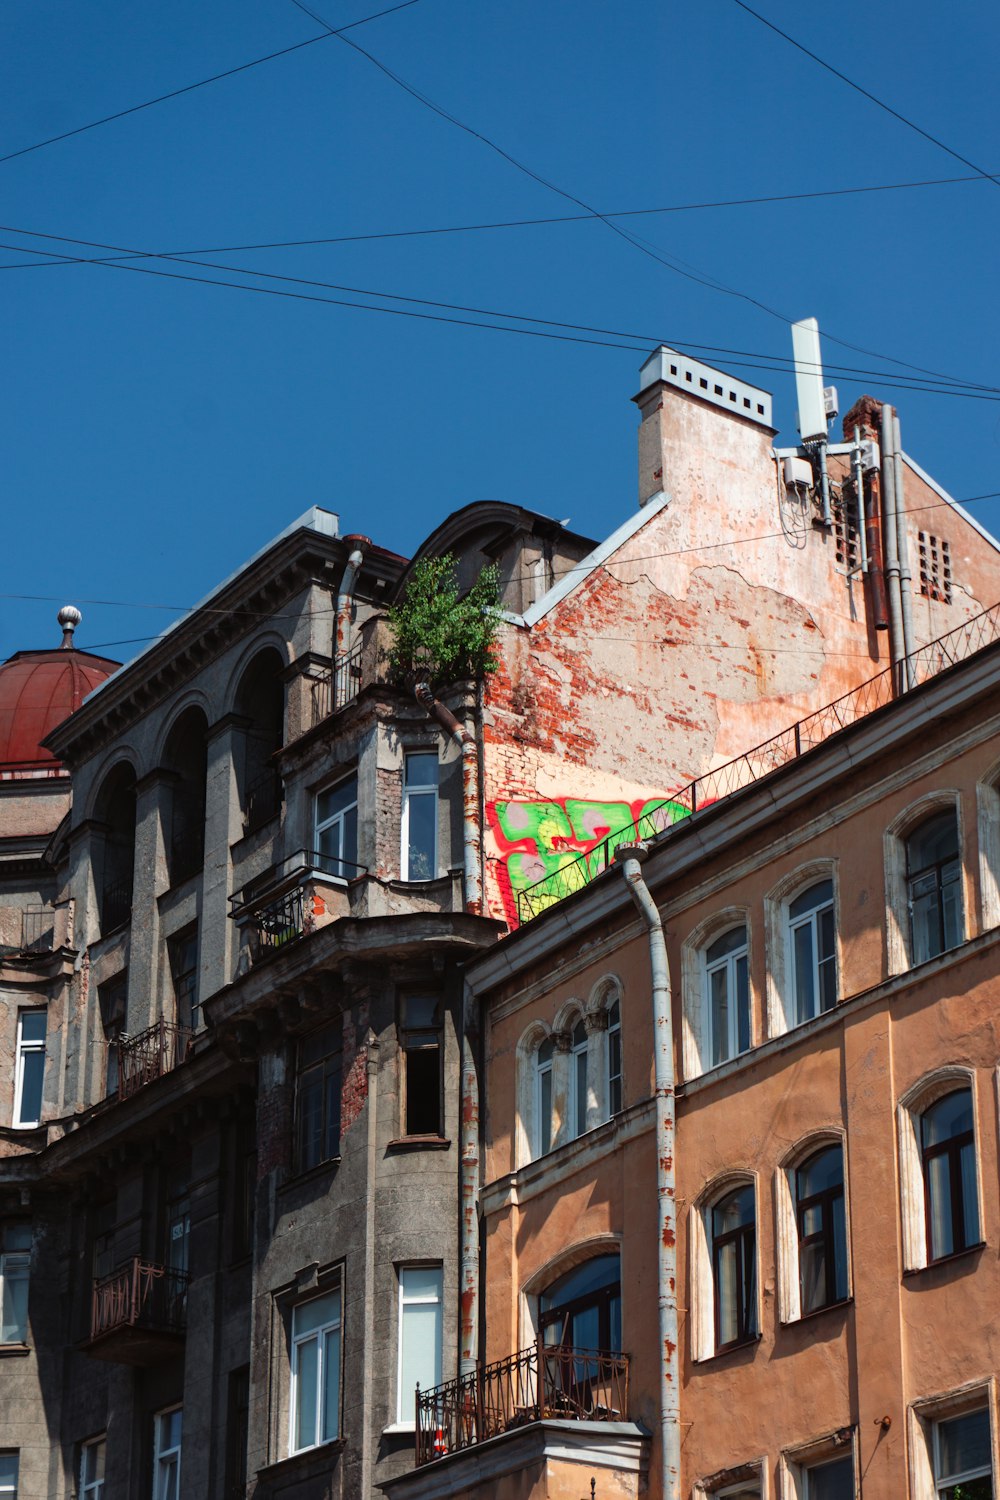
284, 909
140, 1294
263, 801
571, 872
149, 1054
334, 689
583, 1385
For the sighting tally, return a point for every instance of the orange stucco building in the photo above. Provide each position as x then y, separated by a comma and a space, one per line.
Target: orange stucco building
832, 935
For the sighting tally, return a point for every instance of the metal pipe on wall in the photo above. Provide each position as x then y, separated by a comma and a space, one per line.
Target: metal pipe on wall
903, 548
345, 598
891, 547
629, 857
468, 1288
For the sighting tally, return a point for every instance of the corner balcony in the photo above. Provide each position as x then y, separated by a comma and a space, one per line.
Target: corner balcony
149, 1054
138, 1314
558, 1415
308, 891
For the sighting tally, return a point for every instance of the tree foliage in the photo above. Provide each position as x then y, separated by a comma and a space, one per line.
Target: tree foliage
440, 635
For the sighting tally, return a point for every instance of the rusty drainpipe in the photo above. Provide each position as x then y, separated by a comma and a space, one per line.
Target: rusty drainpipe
629, 856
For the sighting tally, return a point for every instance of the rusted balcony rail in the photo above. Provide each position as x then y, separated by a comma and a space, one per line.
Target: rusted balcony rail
149, 1054
571, 1384
140, 1294
571, 872
334, 689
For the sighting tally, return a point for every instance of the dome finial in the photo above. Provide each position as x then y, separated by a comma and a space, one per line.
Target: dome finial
69, 618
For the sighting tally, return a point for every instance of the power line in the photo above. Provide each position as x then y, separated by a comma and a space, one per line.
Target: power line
642, 245
934, 140
182, 610
189, 88
609, 338
446, 229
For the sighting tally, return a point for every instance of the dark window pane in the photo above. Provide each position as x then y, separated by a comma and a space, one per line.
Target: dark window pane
423, 1092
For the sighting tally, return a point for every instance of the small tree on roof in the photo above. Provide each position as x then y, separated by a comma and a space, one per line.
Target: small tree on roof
441, 636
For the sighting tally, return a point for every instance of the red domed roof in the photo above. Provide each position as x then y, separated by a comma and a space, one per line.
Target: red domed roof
38, 690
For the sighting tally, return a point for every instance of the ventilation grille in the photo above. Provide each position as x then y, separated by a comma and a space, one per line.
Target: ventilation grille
935, 568
710, 385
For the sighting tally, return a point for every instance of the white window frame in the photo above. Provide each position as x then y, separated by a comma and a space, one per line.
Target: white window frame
796, 1463
406, 1400
700, 1263
897, 906
337, 818
162, 1454
6, 1492
780, 995
24, 1049
409, 796
92, 1489
753, 1483
335, 1324
696, 1050
923, 1417
909, 1112
729, 963
9, 1259
794, 925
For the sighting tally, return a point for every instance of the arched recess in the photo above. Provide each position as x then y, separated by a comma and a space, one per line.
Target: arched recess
185, 754
260, 701
114, 850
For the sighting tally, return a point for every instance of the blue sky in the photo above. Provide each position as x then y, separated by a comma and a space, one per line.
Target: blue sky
155, 433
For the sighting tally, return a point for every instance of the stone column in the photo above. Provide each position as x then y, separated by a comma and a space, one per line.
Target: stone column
562, 1063
596, 1026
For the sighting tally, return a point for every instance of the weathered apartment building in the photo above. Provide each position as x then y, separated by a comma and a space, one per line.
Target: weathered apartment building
239, 1153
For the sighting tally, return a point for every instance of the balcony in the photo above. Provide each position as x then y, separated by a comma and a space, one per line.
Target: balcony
138, 1314
535, 1385
149, 1054
334, 689
308, 891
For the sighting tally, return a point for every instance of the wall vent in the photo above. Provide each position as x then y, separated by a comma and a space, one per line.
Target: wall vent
710, 385
935, 568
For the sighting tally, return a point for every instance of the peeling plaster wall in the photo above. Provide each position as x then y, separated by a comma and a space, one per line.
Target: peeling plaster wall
719, 622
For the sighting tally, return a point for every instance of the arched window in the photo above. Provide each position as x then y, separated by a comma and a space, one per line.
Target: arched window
583, 1308
948, 1156
613, 1053
726, 996
812, 952
734, 1267
543, 1097
934, 886
186, 755
260, 699
115, 808
822, 1229
939, 1168
578, 1081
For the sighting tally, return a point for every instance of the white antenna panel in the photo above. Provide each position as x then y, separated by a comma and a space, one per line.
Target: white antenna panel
809, 380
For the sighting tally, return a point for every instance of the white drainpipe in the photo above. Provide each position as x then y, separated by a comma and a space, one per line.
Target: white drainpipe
666, 1185
345, 598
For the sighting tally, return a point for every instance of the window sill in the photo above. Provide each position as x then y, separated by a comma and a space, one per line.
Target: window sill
400, 1429
944, 1260
321, 1169
817, 1312
420, 1143
311, 1463
14, 1351
729, 1349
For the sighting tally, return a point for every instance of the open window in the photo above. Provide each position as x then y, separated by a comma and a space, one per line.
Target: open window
420, 1038
939, 1175
723, 1264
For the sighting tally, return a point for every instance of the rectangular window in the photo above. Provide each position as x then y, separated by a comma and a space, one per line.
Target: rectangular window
337, 829
813, 951
963, 1468
315, 1408
8, 1476
15, 1264
167, 1454
317, 1097
92, 1456
420, 1041
420, 1330
831, 1480
182, 951
29, 1067
420, 816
